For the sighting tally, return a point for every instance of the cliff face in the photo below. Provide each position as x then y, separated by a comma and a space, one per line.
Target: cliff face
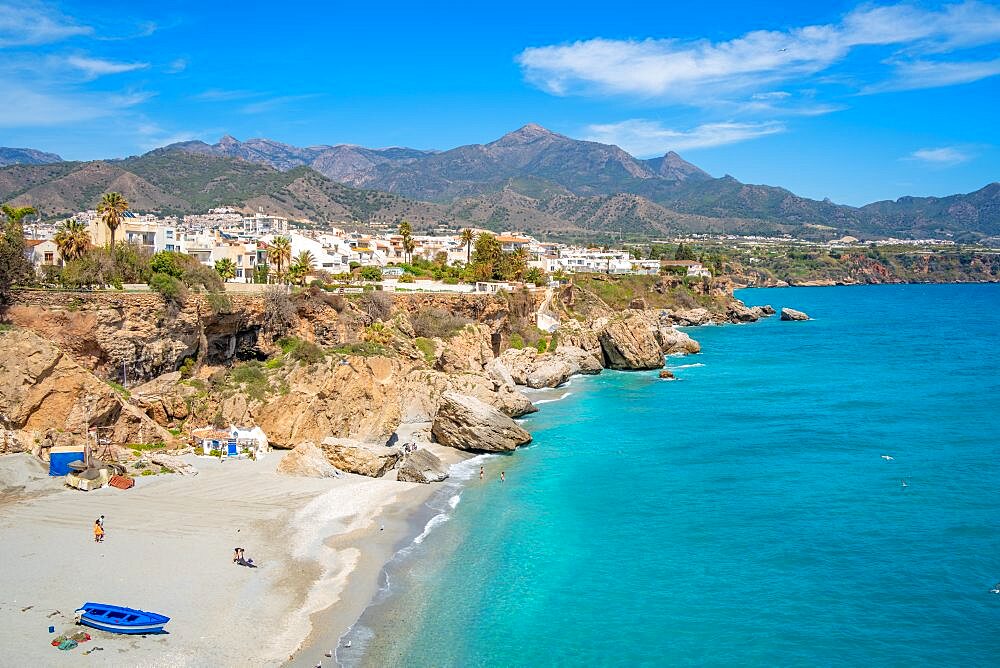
347, 368
139, 336
46, 396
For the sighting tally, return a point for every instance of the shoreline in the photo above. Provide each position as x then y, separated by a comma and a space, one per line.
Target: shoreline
169, 549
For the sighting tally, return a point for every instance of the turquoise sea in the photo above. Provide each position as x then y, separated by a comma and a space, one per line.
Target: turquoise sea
740, 515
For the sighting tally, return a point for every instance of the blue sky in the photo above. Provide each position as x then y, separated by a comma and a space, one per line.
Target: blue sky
855, 102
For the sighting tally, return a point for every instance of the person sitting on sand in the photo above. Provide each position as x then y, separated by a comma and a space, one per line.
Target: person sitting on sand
98, 532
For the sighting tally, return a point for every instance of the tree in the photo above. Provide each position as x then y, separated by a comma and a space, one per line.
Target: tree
16, 214
14, 265
226, 268
486, 257
536, 276
683, 252
406, 231
72, 239
280, 253
468, 236
112, 209
302, 267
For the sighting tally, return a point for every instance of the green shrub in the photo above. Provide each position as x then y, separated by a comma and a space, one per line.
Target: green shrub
147, 472
516, 341
168, 287
371, 273
540, 346
274, 363
406, 278
170, 263
449, 280
215, 452
366, 349
119, 388
300, 350
426, 346
187, 368
436, 322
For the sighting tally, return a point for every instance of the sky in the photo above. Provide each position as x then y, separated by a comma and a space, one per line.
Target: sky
854, 102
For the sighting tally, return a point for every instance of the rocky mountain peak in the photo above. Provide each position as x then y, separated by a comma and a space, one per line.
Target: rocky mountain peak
531, 132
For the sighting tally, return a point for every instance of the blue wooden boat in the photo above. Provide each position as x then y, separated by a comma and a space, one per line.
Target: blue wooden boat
118, 619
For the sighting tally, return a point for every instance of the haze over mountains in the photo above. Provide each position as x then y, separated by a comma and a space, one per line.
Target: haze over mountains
530, 179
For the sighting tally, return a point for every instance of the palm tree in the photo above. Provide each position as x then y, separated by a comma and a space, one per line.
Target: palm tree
408, 247
226, 268
111, 209
406, 230
72, 239
468, 236
304, 264
280, 253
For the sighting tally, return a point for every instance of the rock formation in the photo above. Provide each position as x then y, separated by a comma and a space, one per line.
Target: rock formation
308, 460
42, 388
537, 370
421, 466
467, 423
629, 344
792, 314
371, 459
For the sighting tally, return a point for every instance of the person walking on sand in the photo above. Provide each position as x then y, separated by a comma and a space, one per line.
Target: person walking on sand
100, 521
98, 532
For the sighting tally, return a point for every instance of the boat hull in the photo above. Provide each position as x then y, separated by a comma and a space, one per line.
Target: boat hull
118, 628
119, 619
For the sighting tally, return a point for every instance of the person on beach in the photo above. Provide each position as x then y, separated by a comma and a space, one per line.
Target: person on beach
101, 521
502, 476
98, 532
482, 473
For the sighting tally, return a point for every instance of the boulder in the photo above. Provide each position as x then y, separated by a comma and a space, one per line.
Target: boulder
370, 459
666, 373
767, 309
628, 343
792, 314
467, 423
537, 370
675, 342
308, 460
422, 466
691, 317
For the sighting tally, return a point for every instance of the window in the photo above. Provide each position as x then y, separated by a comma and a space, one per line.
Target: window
49, 258
170, 234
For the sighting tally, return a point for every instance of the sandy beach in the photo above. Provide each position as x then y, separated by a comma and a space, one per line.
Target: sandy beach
319, 544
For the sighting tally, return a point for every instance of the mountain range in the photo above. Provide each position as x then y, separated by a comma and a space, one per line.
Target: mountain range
531, 179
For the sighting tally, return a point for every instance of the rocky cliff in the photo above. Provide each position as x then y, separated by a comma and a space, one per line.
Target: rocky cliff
47, 399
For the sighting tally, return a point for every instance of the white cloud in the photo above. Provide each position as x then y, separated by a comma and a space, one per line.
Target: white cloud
945, 156
40, 108
177, 65
273, 103
919, 74
220, 95
98, 67
643, 137
701, 71
27, 23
